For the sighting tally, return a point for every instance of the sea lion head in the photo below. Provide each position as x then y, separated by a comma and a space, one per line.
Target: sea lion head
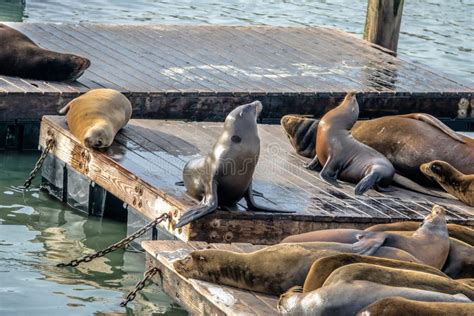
344, 115
201, 264
241, 123
62, 67
439, 171
289, 299
436, 220
301, 132
99, 136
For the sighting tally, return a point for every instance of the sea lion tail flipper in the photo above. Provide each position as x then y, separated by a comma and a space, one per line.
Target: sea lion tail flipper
208, 205
433, 121
65, 109
369, 242
330, 172
253, 206
411, 185
369, 181
313, 164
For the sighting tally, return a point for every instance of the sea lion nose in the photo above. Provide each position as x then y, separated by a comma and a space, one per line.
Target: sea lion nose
98, 143
88, 142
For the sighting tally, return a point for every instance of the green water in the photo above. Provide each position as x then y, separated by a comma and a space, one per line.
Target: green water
37, 232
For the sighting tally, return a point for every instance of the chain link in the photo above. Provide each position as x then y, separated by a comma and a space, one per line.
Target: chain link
122, 243
49, 145
140, 285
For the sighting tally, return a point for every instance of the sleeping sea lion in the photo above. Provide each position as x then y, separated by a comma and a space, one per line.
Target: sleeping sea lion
452, 180
346, 158
224, 176
21, 57
432, 236
398, 277
460, 232
396, 306
322, 268
347, 298
270, 270
406, 140
96, 116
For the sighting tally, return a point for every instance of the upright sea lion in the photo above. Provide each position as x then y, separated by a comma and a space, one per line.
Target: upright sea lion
96, 116
460, 232
21, 57
398, 277
432, 236
346, 158
271, 270
224, 176
406, 140
451, 179
322, 268
347, 298
396, 306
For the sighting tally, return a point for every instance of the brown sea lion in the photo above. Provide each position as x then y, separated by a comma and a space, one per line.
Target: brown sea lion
452, 180
344, 157
460, 232
460, 261
348, 298
96, 116
406, 140
398, 277
431, 236
21, 57
397, 306
323, 267
224, 176
270, 270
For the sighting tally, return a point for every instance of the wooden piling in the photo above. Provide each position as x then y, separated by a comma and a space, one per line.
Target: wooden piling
382, 25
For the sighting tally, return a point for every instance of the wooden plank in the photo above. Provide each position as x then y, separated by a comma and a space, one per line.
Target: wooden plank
200, 297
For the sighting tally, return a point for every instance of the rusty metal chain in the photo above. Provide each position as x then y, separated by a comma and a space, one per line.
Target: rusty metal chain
122, 243
140, 285
49, 145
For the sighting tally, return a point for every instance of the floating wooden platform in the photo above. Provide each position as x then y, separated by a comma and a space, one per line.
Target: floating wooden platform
147, 158
201, 72
200, 297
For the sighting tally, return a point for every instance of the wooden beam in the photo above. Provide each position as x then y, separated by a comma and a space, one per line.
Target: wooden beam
382, 24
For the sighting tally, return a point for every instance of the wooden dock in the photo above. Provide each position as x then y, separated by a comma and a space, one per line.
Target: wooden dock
200, 297
146, 160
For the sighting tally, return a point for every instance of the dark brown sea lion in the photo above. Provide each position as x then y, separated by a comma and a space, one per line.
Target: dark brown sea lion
406, 140
21, 57
344, 157
348, 298
397, 306
398, 277
460, 232
432, 236
224, 176
322, 268
452, 180
271, 270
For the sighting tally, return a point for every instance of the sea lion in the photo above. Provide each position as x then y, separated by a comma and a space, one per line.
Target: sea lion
460, 232
406, 140
346, 158
21, 57
398, 277
431, 236
270, 270
96, 116
347, 298
467, 281
396, 306
460, 261
224, 176
322, 268
452, 180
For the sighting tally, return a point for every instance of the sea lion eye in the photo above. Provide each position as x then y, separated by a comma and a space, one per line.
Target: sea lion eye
236, 139
436, 168
201, 258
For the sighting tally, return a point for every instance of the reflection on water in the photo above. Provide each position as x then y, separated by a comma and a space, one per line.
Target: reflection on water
433, 32
37, 232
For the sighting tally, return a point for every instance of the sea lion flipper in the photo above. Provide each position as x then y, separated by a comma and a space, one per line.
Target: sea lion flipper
433, 121
330, 172
65, 109
369, 242
208, 205
313, 164
411, 185
253, 206
369, 181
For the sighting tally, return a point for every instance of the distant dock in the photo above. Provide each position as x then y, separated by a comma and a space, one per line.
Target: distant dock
201, 72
